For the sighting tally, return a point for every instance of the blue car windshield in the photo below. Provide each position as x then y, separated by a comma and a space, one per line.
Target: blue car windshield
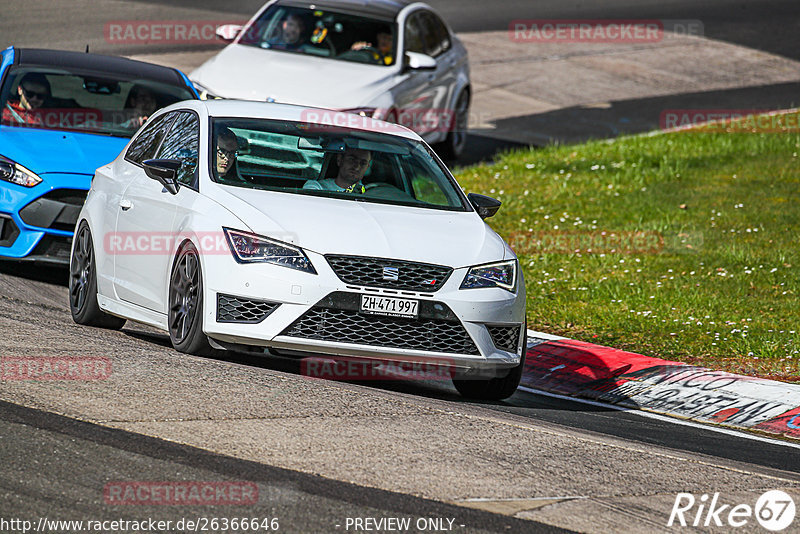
323, 33
330, 161
98, 103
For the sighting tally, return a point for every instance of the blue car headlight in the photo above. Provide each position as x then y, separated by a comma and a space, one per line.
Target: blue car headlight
15, 173
251, 248
502, 274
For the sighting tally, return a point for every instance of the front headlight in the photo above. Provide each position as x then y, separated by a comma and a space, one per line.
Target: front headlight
251, 248
501, 274
17, 174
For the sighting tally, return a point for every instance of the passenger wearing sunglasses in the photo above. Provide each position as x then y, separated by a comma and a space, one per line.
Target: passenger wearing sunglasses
33, 91
353, 164
226, 165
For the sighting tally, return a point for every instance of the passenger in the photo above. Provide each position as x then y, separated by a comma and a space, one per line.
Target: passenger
291, 37
353, 164
382, 52
34, 92
142, 103
227, 166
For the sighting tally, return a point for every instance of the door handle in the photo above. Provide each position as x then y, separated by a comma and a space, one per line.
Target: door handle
125, 204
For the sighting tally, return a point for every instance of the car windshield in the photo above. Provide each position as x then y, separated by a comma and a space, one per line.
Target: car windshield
323, 33
330, 161
98, 103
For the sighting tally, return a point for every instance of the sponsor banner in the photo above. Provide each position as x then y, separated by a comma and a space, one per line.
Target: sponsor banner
38, 368
787, 424
192, 493
617, 377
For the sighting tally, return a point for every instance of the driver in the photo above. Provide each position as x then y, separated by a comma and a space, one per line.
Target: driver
34, 91
382, 53
353, 164
141, 103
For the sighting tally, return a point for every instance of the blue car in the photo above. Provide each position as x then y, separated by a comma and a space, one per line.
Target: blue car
64, 114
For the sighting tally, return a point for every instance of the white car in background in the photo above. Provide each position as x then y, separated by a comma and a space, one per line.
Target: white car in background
237, 242
390, 60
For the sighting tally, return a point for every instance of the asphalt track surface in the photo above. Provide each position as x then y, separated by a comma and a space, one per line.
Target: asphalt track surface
56, 466
53, 465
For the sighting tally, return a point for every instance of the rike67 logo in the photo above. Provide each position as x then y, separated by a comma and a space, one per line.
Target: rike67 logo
774, 511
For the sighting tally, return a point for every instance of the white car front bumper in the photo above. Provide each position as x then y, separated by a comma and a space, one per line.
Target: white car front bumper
264, 305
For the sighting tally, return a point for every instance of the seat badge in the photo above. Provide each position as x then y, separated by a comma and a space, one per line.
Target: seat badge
391, 273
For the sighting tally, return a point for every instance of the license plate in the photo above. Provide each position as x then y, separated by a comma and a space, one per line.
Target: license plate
389, 306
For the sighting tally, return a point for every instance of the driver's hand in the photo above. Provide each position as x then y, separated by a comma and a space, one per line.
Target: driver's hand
360, 44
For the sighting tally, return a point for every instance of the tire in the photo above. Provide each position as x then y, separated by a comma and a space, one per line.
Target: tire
497, 388
185, 314
453, 147
83, 284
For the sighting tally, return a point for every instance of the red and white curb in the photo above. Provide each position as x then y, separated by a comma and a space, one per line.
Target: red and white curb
583, 370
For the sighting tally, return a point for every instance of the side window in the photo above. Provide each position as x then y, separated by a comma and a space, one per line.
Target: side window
182, 143
437, 38
145, 145
413, 34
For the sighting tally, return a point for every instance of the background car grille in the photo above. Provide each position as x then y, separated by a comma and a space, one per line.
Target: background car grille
8, 231
369, 272
232, 309
52, 248
348, 326
57, 209
505, 337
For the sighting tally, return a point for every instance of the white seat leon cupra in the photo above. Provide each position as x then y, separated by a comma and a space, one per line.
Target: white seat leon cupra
282, 229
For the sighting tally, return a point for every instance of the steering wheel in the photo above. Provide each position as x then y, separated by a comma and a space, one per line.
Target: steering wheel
366, 54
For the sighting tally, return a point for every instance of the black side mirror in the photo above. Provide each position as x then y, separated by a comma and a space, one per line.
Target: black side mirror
165, 171
485, 206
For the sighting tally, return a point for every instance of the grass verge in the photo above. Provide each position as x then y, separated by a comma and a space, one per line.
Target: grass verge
682, 246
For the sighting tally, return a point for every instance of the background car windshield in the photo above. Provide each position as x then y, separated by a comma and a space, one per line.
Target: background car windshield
325, 34
303, 158
57, 99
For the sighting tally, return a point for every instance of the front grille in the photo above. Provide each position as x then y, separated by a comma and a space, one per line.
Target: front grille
8, 231
505, 337
52, 247
348, 326
370, 272
232, 309
57, 209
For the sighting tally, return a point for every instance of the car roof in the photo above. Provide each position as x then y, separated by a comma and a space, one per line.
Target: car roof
384, 9
290, 112
97, 62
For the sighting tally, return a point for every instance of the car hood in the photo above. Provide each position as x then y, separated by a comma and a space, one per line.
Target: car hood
332, 226
49, 151
250, 73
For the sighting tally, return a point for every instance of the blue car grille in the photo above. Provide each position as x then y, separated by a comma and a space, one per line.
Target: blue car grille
8, 231
56, 210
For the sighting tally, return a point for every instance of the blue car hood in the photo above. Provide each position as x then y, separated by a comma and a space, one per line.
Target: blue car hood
50, 151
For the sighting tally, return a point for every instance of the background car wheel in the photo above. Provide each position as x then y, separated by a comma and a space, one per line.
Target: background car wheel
494, 388
186, 304
453, 146
83, 284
